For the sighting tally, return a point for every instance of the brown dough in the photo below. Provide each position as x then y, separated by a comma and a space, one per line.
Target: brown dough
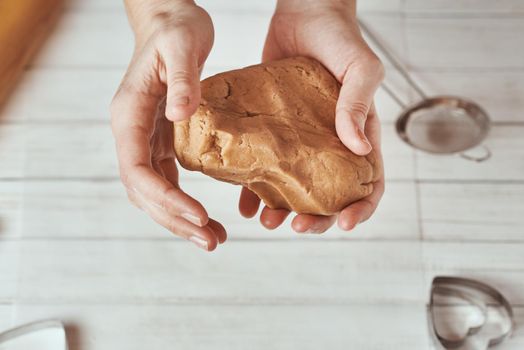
271, 128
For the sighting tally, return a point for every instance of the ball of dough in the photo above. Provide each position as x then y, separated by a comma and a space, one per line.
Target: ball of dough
271, 128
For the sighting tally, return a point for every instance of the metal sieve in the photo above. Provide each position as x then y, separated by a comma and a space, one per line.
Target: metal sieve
466, 297
440, 124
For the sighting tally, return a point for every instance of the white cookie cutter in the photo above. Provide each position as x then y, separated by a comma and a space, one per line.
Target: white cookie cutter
9, 337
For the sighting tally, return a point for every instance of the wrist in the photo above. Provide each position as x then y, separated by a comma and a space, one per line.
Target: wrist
348, 6
147, 16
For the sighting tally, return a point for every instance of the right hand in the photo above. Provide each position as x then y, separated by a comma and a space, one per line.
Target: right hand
328, 31
172, 45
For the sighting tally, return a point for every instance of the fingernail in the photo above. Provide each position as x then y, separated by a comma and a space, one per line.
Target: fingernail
199, 242
192, 219
182, 101
362, 136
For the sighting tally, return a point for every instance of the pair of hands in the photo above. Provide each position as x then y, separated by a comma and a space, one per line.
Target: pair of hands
172, 43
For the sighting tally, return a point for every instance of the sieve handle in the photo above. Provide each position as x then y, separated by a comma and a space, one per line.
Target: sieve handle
392, 59
393, 95
487, 154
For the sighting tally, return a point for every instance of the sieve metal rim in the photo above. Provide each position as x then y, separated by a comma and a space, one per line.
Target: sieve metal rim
482, 119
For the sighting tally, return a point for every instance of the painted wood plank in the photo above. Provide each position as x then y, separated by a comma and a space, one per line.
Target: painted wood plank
499, 92
467, 212
468, 7
487, 43
12, 152
56, 94
9, 258
11, 209
398, 157
59, 150
442, 7
12, 108
507, 162
305, 327
86, 150
91, 39
85, 209
389, 29
64, 95
230, 5
261, 326
6, 317
81, 39
61, 93
498, 264
107, 271
94, 5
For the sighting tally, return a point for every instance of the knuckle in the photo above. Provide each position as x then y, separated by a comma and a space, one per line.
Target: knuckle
181, 78
173, 226
124, 178
371, 66
359, 108
356, 110
174, 36
165, 201
379, 70
133, 200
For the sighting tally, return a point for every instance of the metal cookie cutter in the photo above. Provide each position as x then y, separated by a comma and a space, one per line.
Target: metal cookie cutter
473, 293
440, 124
49, 334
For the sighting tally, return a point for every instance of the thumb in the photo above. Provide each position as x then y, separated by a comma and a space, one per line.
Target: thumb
183, 86
354, 102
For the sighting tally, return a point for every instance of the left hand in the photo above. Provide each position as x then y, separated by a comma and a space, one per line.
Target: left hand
328, 31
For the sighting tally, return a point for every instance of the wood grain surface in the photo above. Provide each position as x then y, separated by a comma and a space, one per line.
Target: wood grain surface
73, 248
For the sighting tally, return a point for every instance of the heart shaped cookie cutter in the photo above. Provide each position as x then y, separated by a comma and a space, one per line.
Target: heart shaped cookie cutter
475, 293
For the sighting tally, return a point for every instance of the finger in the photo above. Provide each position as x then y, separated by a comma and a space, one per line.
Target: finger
169, 171
132, 123
306, 223
182, 79
373, 129
248, 203
272, 218
355, 99
198, 214
160, 193
203, 237
219, 230
361, 210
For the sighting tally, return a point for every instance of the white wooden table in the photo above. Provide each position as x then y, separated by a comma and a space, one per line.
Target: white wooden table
71, 247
